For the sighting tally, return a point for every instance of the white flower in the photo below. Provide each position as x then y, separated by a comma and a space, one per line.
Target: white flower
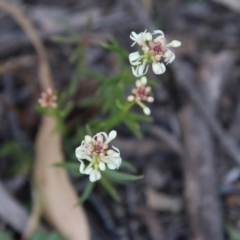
97, 153
153, 50
140, 93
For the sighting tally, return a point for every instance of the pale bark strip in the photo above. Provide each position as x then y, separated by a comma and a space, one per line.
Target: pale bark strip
58, 196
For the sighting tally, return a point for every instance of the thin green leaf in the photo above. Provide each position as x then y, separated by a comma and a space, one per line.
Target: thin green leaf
133, 126
89, 101
128, 166
76, 55
139, 117
121, 176
67, 109
95, 75
87, 191
113, 47
110, 189
72, 167
88, 130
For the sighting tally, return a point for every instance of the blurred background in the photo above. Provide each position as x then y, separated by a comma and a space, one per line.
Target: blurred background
189, 154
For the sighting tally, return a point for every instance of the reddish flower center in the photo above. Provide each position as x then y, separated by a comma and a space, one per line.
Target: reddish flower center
98, 147
48, 98
157, 48
141, 92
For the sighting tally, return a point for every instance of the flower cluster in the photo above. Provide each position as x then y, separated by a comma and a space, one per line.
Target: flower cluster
140, 93
94, 153
97, 152
154, 50
48, 99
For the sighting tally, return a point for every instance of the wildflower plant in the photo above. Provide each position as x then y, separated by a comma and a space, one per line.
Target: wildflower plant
115, 100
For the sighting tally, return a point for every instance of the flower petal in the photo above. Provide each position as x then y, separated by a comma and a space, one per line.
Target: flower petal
135, 71
146, 111
150, 99
79, 152
94, 176
148, 36
115, 162
103, 133
130, 98
158, 68
88, 171
138, 38
88, 138
169, 56
81, 168
134, 58
111, 136
160, 38
158, 32
139, 70
102, 166
174, 43
138, 83
144, 80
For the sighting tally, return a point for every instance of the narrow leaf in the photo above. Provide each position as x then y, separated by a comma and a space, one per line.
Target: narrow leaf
121, 176
110, 189
87, 191
128, 166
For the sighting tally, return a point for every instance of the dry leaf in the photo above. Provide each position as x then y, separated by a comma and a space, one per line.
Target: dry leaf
58, 196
